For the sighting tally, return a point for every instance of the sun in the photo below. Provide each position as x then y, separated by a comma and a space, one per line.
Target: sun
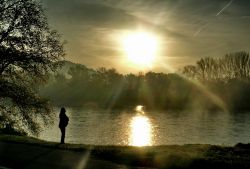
140, 48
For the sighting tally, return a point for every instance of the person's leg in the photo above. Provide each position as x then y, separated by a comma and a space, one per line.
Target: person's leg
63, 135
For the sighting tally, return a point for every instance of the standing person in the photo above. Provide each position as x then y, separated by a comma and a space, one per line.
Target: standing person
63, 123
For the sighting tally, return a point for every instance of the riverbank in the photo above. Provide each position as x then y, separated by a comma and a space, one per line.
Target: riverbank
27, 152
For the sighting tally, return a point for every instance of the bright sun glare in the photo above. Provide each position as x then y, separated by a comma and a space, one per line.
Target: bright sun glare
140, 48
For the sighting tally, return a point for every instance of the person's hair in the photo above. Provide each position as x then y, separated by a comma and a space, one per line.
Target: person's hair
62, 110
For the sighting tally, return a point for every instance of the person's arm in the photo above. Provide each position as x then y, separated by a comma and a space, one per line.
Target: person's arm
66, 120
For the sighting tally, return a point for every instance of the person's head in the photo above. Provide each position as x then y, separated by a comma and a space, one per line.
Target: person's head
62, 110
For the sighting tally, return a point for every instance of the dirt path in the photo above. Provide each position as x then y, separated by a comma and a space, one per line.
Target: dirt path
16, 155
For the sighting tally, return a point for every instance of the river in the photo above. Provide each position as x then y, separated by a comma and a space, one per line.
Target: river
145, 128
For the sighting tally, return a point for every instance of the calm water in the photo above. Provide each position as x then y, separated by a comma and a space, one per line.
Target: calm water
142, 128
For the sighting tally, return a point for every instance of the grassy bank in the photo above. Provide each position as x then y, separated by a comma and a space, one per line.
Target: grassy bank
163, 157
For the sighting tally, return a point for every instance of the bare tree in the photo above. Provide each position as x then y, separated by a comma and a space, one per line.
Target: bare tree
233, 65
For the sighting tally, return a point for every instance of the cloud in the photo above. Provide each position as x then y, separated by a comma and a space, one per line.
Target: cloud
188, 28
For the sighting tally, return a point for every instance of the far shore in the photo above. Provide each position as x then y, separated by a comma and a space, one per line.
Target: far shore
162, 157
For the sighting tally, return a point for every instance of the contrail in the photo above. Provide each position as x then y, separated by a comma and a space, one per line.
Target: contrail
200, 29
225, 7
222, 10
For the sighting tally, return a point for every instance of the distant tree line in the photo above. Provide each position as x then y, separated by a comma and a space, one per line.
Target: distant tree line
106, 88
227, 79
231, 66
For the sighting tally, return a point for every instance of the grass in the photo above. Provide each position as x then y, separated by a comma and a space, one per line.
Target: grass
163, 157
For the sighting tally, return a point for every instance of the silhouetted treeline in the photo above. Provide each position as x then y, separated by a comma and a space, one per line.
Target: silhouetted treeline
227, 77
108, 89
213, 83
231, 66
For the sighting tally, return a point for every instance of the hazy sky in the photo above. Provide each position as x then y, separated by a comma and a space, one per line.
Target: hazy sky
188, 29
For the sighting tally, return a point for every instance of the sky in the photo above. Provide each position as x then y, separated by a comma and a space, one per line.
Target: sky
187, 30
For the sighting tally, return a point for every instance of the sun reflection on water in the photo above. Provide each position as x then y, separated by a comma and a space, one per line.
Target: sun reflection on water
141, 133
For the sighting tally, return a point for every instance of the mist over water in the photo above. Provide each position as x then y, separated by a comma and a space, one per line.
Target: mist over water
99, 127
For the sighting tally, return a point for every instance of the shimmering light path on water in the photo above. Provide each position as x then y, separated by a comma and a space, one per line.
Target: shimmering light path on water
140, 134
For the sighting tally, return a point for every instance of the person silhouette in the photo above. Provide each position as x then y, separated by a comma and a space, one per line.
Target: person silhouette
63, 123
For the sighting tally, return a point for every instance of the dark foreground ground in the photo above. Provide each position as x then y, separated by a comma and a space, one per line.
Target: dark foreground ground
24, 152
